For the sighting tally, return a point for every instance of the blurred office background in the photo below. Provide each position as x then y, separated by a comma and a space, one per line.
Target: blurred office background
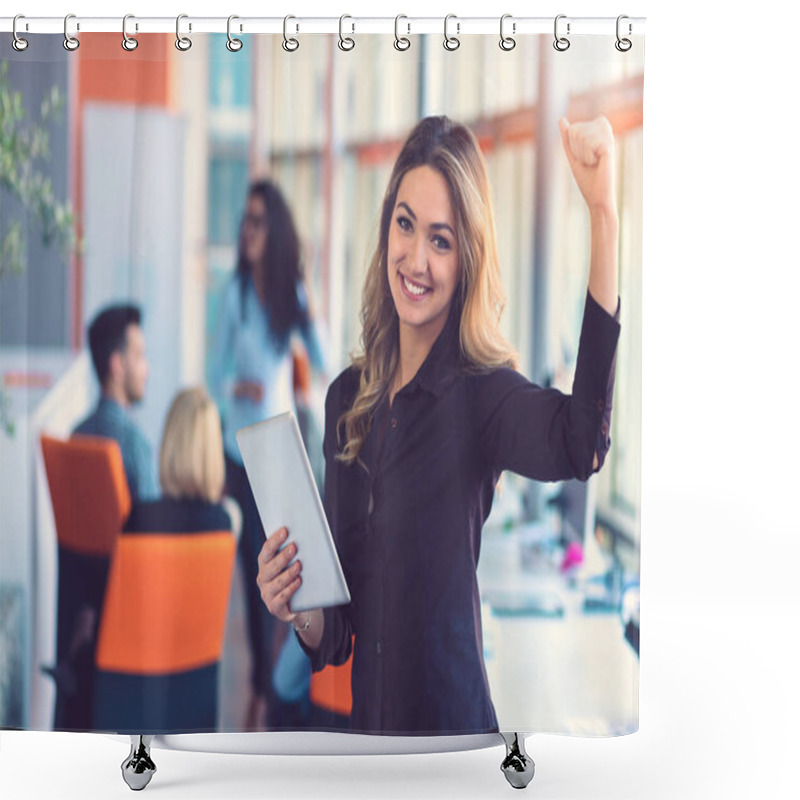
155, 149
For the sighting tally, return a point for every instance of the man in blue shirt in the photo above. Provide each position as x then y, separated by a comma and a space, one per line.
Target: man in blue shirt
117, 345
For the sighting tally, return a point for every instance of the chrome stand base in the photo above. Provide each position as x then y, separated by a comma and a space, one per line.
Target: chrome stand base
138, 768
517, 766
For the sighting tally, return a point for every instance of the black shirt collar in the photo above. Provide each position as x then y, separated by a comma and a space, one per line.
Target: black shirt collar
443, 361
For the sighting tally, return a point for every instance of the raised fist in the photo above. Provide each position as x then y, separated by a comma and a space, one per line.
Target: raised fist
589, 147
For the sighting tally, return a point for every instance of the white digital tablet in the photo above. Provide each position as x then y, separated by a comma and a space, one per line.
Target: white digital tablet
285, 493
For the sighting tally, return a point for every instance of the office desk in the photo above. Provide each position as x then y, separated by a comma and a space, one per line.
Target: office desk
573, 673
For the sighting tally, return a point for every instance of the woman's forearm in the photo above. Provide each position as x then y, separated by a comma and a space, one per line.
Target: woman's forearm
603, 284
312, 635
589, 147
603, 265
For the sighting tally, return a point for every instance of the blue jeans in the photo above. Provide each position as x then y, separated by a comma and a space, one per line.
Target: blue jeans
291, 676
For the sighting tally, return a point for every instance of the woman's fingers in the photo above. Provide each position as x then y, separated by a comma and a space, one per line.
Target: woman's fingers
582, 142
587, 142
272, 588
589, 147
282, 599
286, 577
269, 570
253, 390
277, 594
565, 128
277, 578
594, 141
272, 545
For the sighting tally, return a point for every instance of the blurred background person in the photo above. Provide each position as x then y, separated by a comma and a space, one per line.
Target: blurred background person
191, 472
117, 345
265, 306
192, 476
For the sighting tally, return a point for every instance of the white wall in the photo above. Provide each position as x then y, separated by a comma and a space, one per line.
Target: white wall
133, 200
28, 556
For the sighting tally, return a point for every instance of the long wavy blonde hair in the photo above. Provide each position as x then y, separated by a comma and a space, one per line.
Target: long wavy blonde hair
451, 149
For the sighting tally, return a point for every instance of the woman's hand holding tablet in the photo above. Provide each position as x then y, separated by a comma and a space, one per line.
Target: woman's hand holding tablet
287, 500
278, 579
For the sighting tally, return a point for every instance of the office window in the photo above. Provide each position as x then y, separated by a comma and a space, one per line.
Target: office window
227, 185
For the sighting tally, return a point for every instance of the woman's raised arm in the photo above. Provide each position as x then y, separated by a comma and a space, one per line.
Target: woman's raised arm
589, 147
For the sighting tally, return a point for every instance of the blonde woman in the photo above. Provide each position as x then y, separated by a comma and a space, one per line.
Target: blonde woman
421, 425
191, 472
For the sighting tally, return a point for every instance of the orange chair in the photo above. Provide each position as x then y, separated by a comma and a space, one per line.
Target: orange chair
331, 695
161, 632
90, 499
88, 490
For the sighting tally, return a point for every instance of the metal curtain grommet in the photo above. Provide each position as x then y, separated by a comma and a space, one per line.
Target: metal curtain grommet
561, 43
233, 44
18, 43
70, 42
506, 42
401, 42
290, 44
128, 42
623, 44
183, 43
451, 42
346, 42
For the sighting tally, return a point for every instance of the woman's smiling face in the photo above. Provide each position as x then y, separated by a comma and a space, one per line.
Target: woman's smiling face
422, 258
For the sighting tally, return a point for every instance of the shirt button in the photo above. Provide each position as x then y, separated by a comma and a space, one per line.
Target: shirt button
378, 647
604, 428
394, 422
600, 405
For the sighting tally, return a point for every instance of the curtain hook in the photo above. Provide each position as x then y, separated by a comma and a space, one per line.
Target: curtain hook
290, 44
19, 44
233, 44
623, 44
70, 42
507, 42
346, 42
451, 42
561, 43
401, 42
128, 42
183, 43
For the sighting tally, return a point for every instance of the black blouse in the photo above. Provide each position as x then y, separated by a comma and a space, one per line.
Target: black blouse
408, 527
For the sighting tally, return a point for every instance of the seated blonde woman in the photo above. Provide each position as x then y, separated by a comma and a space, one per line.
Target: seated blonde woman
191, 473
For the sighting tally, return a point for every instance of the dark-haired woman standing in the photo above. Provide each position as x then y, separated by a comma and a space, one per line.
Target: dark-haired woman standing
264, 306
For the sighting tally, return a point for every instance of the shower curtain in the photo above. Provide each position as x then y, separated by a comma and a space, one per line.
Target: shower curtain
229, 202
